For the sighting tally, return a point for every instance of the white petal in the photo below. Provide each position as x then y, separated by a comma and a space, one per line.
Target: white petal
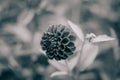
102, 38
88, 55
60, 65
58, 73
77, 30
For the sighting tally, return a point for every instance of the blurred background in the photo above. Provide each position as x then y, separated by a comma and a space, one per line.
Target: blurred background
22, 22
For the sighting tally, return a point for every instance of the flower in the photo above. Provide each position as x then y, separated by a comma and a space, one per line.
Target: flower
58, 42
85, 48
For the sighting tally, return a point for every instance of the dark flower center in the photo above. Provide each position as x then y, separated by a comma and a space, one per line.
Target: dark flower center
58, 42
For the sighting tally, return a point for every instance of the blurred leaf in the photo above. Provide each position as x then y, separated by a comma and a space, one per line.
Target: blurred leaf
8, 74
21, 32
77, 30
32, 3
38, 77
3, 60
41, 60
24, 60
10, 39
88, 55
10, 13
13, 62
58, 73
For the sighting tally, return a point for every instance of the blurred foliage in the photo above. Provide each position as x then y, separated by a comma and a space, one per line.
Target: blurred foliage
23, 21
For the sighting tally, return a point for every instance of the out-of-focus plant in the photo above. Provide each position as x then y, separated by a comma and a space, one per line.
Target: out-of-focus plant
66, 50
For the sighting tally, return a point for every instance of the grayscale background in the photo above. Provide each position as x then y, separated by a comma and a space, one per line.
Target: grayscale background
23, 21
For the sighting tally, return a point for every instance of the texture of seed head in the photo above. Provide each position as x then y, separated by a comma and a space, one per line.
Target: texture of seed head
58, 42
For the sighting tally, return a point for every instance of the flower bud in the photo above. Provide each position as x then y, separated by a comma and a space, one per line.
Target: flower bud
58, 42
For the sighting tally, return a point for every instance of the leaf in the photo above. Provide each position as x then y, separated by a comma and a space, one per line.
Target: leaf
77, 30
88, 55
102, 38
60, 65
72, 62
58, 73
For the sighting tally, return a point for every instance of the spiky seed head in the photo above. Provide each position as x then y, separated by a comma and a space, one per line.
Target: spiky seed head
58, 42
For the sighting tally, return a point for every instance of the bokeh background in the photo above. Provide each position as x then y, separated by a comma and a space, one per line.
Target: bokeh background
22, 22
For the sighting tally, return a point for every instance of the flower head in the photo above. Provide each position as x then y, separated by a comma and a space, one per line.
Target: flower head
58, 42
